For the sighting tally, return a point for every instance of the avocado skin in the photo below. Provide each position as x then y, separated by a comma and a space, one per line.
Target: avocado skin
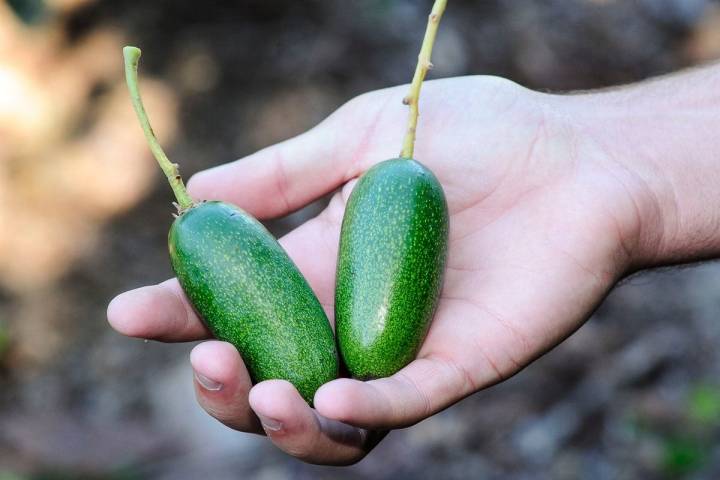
393, 248
249, 293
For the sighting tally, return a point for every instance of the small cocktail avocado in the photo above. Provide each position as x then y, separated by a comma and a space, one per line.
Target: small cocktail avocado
241, 282
393, 247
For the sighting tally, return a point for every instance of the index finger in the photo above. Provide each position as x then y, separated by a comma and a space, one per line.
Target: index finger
156, 312
163, 312
284, 177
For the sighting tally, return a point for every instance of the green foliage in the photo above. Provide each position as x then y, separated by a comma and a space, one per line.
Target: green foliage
687, 451
704, 404
686, 443
684, 455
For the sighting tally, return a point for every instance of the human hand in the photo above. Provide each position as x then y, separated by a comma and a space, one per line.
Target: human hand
543, 223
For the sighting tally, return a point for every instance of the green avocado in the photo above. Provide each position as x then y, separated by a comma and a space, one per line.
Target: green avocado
393, 248
249, 293
241, 282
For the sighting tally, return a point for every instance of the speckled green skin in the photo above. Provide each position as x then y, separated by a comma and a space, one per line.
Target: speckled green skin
393, 246
249, 293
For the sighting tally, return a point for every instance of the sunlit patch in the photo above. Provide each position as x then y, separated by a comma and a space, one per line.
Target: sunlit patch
71, 155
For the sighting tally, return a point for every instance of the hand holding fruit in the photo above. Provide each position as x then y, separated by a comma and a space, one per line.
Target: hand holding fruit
539, 220
545, 217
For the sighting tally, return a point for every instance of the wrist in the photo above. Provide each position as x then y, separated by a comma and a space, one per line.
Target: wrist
660, 140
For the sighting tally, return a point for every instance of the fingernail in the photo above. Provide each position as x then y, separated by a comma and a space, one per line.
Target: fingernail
270, 423
208, 383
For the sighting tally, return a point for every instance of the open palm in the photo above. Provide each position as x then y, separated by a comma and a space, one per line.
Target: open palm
542, 225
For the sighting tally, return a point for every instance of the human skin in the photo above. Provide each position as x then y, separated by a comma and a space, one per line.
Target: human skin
553, 200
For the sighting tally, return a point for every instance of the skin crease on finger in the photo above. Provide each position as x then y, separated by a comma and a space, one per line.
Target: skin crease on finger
546, 216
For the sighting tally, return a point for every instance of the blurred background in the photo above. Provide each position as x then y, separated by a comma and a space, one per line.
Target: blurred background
84, 214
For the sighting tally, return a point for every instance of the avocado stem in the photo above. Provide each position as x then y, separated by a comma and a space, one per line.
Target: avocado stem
413, 97
132, 58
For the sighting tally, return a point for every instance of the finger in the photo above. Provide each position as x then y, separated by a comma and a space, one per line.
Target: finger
279, 179
298, 430
284, 177
158, 312
163, 312
222, 384
424, 387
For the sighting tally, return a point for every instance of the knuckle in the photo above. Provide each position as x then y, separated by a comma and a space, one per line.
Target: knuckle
239, 422
299, 451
